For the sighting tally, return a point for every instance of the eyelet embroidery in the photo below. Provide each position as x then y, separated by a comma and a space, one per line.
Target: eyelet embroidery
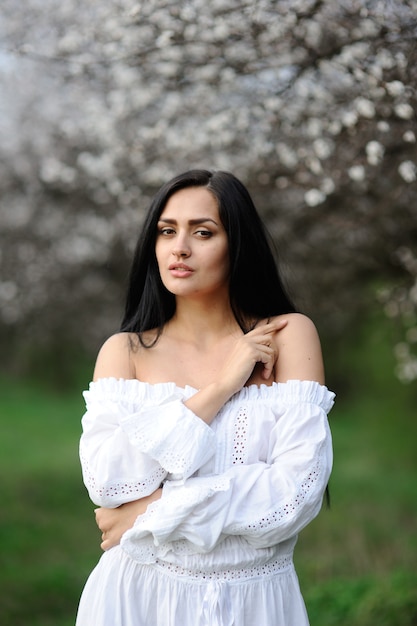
274, 518
277, 566
240, 437
117, 489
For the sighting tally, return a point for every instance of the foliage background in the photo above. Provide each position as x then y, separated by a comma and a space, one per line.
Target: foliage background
312, 104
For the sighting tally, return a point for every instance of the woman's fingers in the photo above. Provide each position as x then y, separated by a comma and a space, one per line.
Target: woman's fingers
113, 523
102, 518
264, 332
268, 360
264, 335
107, 542
256, 346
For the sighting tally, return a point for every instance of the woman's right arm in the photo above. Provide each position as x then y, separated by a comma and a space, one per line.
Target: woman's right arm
132, 440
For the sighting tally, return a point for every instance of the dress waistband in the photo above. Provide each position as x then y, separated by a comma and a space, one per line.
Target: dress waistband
272, 568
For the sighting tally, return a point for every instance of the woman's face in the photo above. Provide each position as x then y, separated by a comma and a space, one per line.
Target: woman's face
192, 246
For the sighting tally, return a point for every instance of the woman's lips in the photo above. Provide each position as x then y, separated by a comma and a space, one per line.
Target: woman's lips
180, 270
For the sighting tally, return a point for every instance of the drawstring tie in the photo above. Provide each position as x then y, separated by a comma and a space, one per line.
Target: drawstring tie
217, 608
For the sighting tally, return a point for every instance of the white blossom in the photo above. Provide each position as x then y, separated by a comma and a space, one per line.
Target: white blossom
365, 107
395, 88
53, 170
385, 59
374, 152
404, 110
383, 126
349, 118
286, 155
323, 148
314, 165
409, 136
327, 185
408, 171
315, 127
357, 173
314, 197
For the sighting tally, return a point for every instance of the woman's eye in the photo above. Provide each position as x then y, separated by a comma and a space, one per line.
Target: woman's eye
166, 231
205, 234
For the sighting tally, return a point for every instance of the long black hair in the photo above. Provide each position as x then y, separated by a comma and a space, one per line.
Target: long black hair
256, 289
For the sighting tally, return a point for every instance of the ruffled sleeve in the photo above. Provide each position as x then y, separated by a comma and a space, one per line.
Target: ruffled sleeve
264, 502
135, 435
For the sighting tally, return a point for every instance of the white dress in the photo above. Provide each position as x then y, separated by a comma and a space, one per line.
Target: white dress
216, 549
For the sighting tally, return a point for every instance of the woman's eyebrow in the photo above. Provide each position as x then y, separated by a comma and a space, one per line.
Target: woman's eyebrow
193, 222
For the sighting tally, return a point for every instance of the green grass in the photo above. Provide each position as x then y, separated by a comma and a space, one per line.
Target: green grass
356, 562
47, 531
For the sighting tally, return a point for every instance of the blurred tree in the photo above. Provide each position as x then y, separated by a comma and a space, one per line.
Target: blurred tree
310, 102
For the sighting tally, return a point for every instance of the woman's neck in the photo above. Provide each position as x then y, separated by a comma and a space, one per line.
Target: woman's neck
202, 323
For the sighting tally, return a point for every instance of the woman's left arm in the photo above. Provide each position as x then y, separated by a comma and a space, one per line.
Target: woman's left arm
299, 351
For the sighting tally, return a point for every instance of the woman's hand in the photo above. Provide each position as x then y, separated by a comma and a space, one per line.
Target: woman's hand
113, 523
256, 346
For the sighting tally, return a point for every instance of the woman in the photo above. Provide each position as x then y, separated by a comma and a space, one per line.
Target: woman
205, 439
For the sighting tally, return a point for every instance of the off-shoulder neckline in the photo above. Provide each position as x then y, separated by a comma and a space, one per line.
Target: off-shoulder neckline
131, 389
170, 383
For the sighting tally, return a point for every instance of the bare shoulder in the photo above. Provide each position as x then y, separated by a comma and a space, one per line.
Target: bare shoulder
115, 357
298, 326
299, 350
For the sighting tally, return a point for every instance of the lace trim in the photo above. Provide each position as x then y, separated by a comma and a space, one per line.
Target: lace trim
127, 490
240, 438
272, 568
285, 512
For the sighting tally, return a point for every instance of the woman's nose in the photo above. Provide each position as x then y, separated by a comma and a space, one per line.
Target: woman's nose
181, 247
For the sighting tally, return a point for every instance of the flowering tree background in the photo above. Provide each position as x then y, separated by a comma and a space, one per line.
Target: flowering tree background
311, 103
